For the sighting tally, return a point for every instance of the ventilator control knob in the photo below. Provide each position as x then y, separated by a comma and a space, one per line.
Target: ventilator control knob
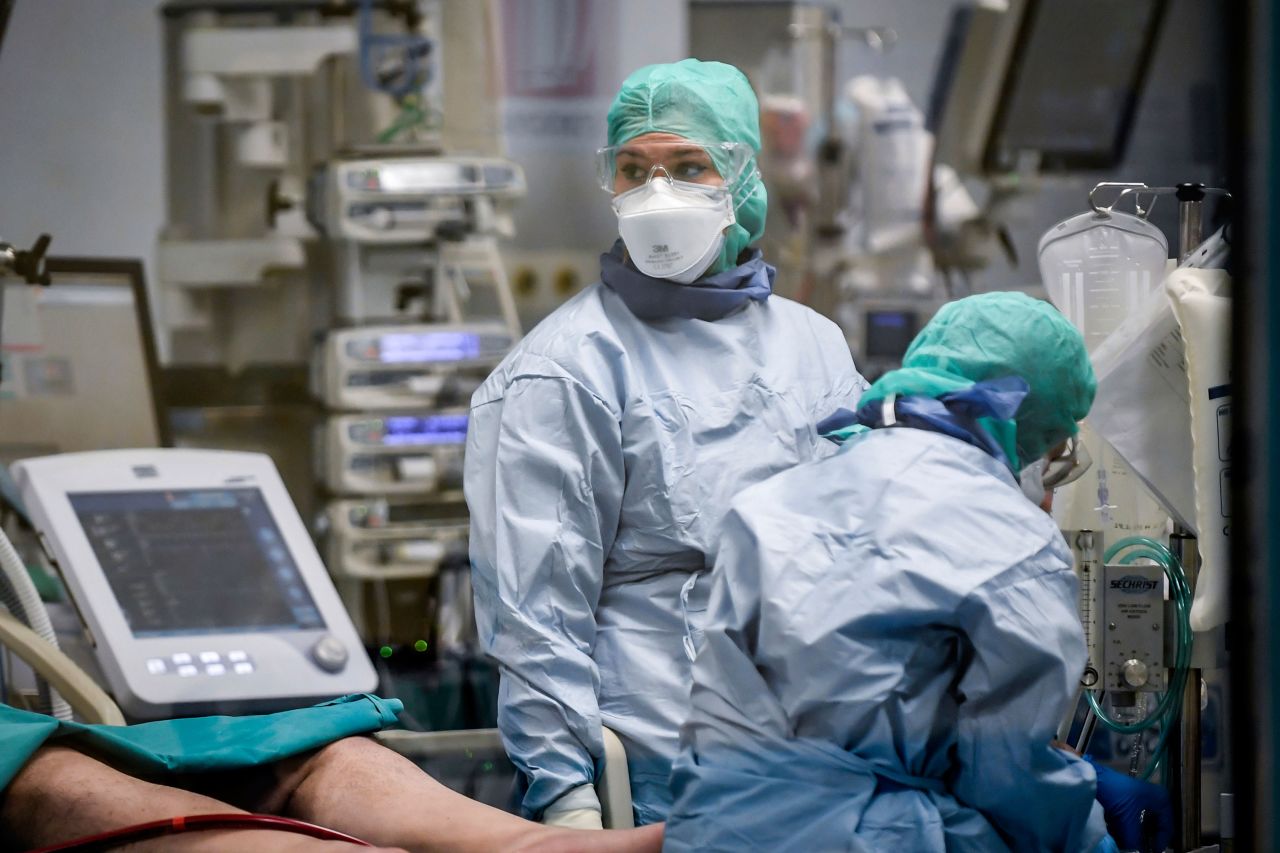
329, 653
1135, 673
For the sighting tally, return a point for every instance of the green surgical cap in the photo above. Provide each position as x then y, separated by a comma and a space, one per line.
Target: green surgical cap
993, 335
705, 102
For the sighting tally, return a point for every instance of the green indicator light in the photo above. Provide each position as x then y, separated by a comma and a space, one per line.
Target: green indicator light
385, 651
420, 645
488, 765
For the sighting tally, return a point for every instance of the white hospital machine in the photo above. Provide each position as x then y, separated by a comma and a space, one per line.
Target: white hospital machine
382, 538
394, 453
196, 582
374, 284
389, 454
371, 368
400, 229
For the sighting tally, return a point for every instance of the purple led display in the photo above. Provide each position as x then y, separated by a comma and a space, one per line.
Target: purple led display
437, 429
409, 347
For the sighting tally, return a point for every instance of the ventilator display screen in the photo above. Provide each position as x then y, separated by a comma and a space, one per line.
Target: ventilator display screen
196, 561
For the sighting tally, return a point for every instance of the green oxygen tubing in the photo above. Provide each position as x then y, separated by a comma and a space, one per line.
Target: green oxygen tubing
1169, 707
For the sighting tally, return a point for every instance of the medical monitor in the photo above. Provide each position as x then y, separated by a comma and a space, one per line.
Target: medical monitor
196, 561
196, 580
889, 332
78, 362
1042, 85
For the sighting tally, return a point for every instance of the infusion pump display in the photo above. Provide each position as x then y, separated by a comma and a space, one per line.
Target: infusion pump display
389, 367
394, 453
432, 176
195, 579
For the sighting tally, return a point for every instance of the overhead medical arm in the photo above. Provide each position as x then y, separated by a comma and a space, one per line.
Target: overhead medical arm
85, 697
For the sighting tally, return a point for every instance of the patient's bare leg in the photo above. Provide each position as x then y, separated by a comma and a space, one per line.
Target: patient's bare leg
365, 790
62, 794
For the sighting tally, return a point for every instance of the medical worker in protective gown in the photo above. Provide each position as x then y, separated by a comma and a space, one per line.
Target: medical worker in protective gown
604, 451
892, 636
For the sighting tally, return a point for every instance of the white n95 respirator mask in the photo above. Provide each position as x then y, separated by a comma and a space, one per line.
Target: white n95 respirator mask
673, 229
1043, 475
1031, 481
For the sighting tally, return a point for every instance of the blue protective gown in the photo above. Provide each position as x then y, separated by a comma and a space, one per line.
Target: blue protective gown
601, 458
892, 640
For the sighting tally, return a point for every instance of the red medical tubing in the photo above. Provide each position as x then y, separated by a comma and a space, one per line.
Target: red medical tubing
195, 823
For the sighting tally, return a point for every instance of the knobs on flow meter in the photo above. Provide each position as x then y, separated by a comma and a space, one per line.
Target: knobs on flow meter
1134, 672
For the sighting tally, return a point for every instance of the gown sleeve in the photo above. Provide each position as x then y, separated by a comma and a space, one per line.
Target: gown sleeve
1026, 651
544, 482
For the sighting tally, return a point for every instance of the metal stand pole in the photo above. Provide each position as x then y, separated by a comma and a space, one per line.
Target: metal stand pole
1184, 774
1190, 223
1184, 751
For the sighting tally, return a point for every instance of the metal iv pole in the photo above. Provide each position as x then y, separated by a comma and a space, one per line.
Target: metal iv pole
1184, 761
1182, 766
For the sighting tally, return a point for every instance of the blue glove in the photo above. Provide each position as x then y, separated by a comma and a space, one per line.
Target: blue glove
1106, 845
1124, 799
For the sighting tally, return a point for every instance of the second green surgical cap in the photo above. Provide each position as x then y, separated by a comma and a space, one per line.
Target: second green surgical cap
704, 102
1002, 334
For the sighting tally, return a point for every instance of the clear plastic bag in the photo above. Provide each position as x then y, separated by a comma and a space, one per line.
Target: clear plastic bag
1099, 268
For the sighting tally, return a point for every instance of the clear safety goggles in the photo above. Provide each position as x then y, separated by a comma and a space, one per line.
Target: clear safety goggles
1068, 466
624, 167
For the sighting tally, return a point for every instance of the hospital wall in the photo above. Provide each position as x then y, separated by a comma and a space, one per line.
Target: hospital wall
81, 138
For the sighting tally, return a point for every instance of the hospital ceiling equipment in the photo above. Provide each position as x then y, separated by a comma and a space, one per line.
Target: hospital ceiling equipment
332, 286
330, 290
888, 206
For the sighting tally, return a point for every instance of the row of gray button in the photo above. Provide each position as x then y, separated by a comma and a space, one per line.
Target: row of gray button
186, 665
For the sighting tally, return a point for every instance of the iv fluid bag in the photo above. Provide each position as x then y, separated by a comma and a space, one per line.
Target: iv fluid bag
1100, 268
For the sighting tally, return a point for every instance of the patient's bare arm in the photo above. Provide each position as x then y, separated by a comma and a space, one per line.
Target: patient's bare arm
365, 790
62, 794
354, 786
